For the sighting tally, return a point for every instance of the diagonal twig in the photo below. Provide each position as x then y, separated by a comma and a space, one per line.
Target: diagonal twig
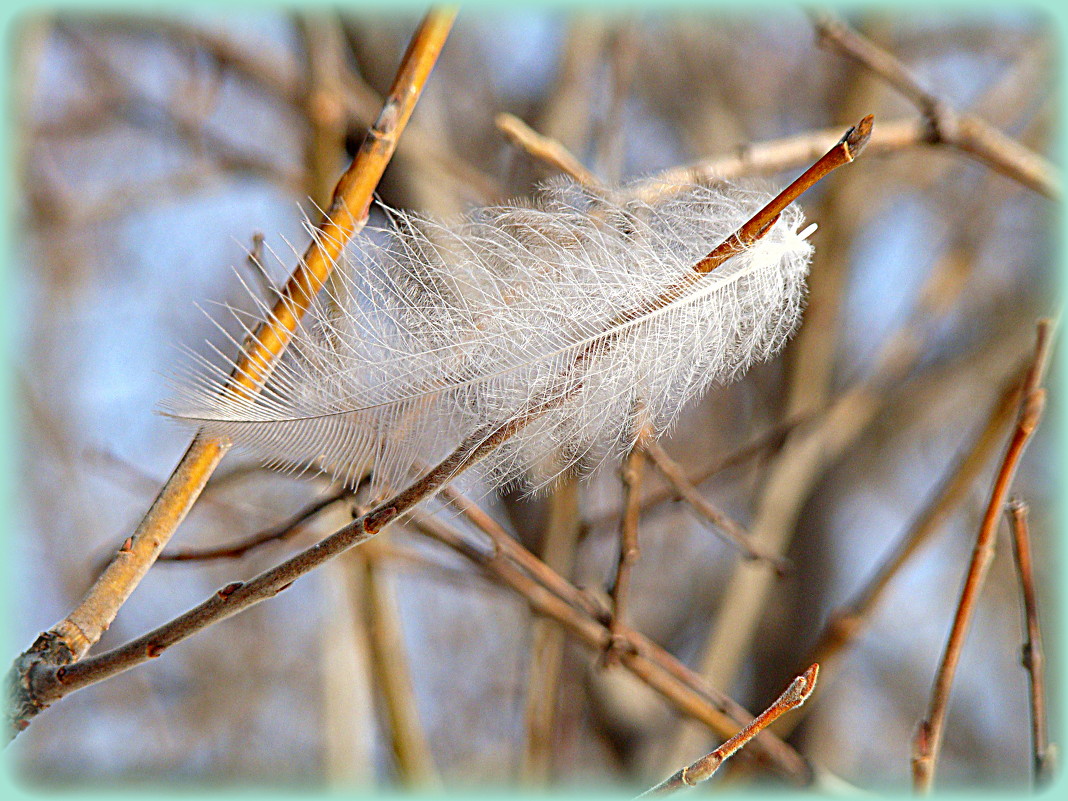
704, 768
846, 623
552, 596
70, 639
927, 743
285, 530
731, 531
544, 149
944, 124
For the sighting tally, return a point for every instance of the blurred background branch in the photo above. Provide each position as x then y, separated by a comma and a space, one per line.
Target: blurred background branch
149, 149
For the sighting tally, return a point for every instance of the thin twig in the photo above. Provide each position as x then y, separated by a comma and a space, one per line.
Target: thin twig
544, 149
845, 151
35, 682
70, 639
927, 743
945, 125
650, 663
631, 475
773, 156
770, 440
810, 449
1033, 657
731, 531
704, 768
285, 530
847, 622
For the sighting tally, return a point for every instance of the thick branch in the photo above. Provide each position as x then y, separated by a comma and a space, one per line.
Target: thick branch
70, 639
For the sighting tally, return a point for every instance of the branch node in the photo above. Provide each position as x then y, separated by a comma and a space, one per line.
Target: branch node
230, 589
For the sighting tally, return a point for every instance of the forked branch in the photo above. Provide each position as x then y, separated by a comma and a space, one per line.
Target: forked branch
70, 639
37, 682
927, 743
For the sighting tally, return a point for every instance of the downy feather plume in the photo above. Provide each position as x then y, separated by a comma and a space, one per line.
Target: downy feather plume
573, 299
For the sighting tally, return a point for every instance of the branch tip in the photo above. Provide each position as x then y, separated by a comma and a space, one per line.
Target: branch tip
857, 137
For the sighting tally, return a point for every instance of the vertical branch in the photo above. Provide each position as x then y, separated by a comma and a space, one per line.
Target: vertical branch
631, 475
927, 743
389, 661
547, 647
1033, 657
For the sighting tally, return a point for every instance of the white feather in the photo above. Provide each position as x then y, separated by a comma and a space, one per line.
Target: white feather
449, 328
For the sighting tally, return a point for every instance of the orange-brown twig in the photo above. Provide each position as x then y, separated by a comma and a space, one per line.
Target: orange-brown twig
1034, 660
927, 743
35, 682
70, 639
848, 621
704, 768
845, 151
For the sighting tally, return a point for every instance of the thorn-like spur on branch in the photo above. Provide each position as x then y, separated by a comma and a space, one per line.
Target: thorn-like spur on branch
703, 769
70, 639
38, 678
927, 743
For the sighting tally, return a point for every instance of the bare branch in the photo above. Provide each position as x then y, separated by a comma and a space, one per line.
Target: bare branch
704, 768
945, 125
927, 743
732, 532
70, 639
